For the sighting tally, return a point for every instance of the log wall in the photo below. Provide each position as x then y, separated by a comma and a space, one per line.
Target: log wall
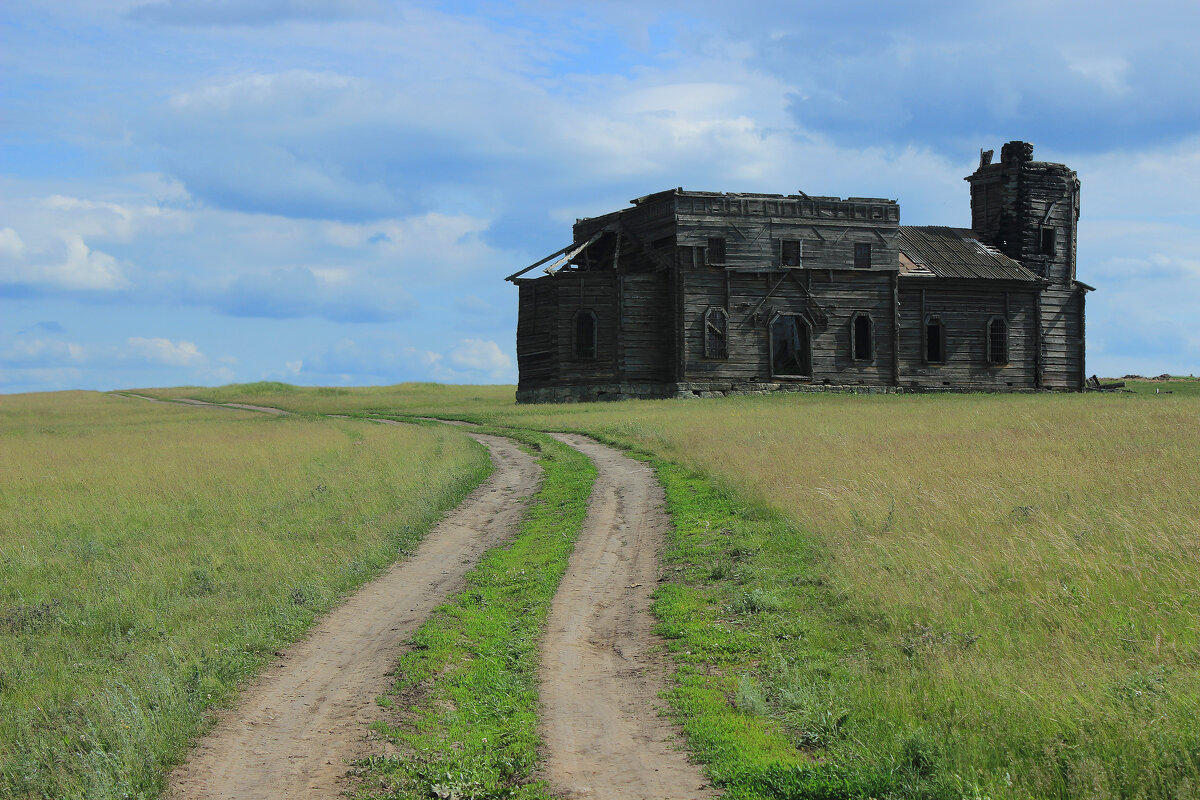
1062, 357
965, 308
828, 300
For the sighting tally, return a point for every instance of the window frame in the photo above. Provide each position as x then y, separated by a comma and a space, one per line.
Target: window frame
861, 261
783, 253
771, 344
854, 318
932, 319
1051, 233
723, 333
990, 345
575, 351
716, 243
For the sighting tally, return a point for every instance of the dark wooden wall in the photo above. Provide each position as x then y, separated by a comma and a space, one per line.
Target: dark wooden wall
537, 333
754, 244
835, 298
965, 307
596, 292
1014, 201
646, 327
1062, 338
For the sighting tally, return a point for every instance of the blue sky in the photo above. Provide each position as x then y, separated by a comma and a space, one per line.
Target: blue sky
331, 192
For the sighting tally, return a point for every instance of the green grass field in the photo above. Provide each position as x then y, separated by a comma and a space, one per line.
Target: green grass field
942, 596
152, 556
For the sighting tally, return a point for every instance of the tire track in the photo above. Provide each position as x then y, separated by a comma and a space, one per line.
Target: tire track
297, 726
600, 672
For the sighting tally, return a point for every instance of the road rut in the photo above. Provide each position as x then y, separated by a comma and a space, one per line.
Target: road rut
600, 674
296, 727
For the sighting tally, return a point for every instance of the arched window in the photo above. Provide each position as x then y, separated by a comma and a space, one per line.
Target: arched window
997, 341
585, 335
862, 337
935, 340
716, 333
791, 346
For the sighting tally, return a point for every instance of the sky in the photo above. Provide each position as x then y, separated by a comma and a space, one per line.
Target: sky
325, 192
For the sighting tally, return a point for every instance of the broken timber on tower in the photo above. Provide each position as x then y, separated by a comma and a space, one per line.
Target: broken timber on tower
699, 293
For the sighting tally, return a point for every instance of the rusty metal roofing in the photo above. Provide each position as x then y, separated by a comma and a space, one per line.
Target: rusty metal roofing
933, 251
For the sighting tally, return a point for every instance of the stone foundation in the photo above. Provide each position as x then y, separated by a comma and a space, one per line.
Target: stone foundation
592, 393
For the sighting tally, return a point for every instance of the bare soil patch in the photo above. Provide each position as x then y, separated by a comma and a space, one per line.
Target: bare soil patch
600, 669
294, 731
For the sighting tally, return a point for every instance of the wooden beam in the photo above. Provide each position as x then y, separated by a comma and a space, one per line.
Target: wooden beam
766, 297
819, 315
537, 264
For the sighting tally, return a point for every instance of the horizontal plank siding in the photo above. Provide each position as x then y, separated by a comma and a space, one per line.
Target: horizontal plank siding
753, 303
965, 307
537, 333
646, 327
1062, 338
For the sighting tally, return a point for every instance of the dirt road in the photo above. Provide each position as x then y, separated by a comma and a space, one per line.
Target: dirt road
294, 729
599, 676
241, 406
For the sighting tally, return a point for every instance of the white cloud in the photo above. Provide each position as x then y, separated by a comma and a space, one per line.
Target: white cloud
42, 352
68, 264
219, 375
476, 355
385, 360
165, 351
11, 246
1107, 71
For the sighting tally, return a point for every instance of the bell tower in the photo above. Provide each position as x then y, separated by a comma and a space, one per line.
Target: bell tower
1028, 210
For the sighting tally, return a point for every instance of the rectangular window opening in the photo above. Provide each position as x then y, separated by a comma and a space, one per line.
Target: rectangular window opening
792, 252
862, 255
585, 335
716, 250
864, 347
998, 342
1048, 237
935, 342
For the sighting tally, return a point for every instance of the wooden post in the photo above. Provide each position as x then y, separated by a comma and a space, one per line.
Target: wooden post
1082, 295
895, 282
1038, 365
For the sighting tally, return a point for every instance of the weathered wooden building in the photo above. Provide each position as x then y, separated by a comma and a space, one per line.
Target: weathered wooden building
700, 293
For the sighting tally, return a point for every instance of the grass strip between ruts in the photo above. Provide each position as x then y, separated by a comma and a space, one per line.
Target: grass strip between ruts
462, 714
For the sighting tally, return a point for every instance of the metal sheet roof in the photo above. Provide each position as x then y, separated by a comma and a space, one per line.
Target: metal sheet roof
938, 252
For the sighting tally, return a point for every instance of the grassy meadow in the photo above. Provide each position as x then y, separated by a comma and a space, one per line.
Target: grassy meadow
924, 596
154, 555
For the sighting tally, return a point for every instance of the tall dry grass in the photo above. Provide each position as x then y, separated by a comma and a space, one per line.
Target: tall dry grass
152, 556
1024, 569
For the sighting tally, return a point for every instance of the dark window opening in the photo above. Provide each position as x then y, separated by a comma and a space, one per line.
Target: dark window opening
862, 255
935, 341
716, 333
792, 252
864, 338
1048, 236
716, 251
791, 347
585, 335
997, 342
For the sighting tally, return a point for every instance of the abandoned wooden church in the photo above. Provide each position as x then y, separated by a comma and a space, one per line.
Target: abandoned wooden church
702, 293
